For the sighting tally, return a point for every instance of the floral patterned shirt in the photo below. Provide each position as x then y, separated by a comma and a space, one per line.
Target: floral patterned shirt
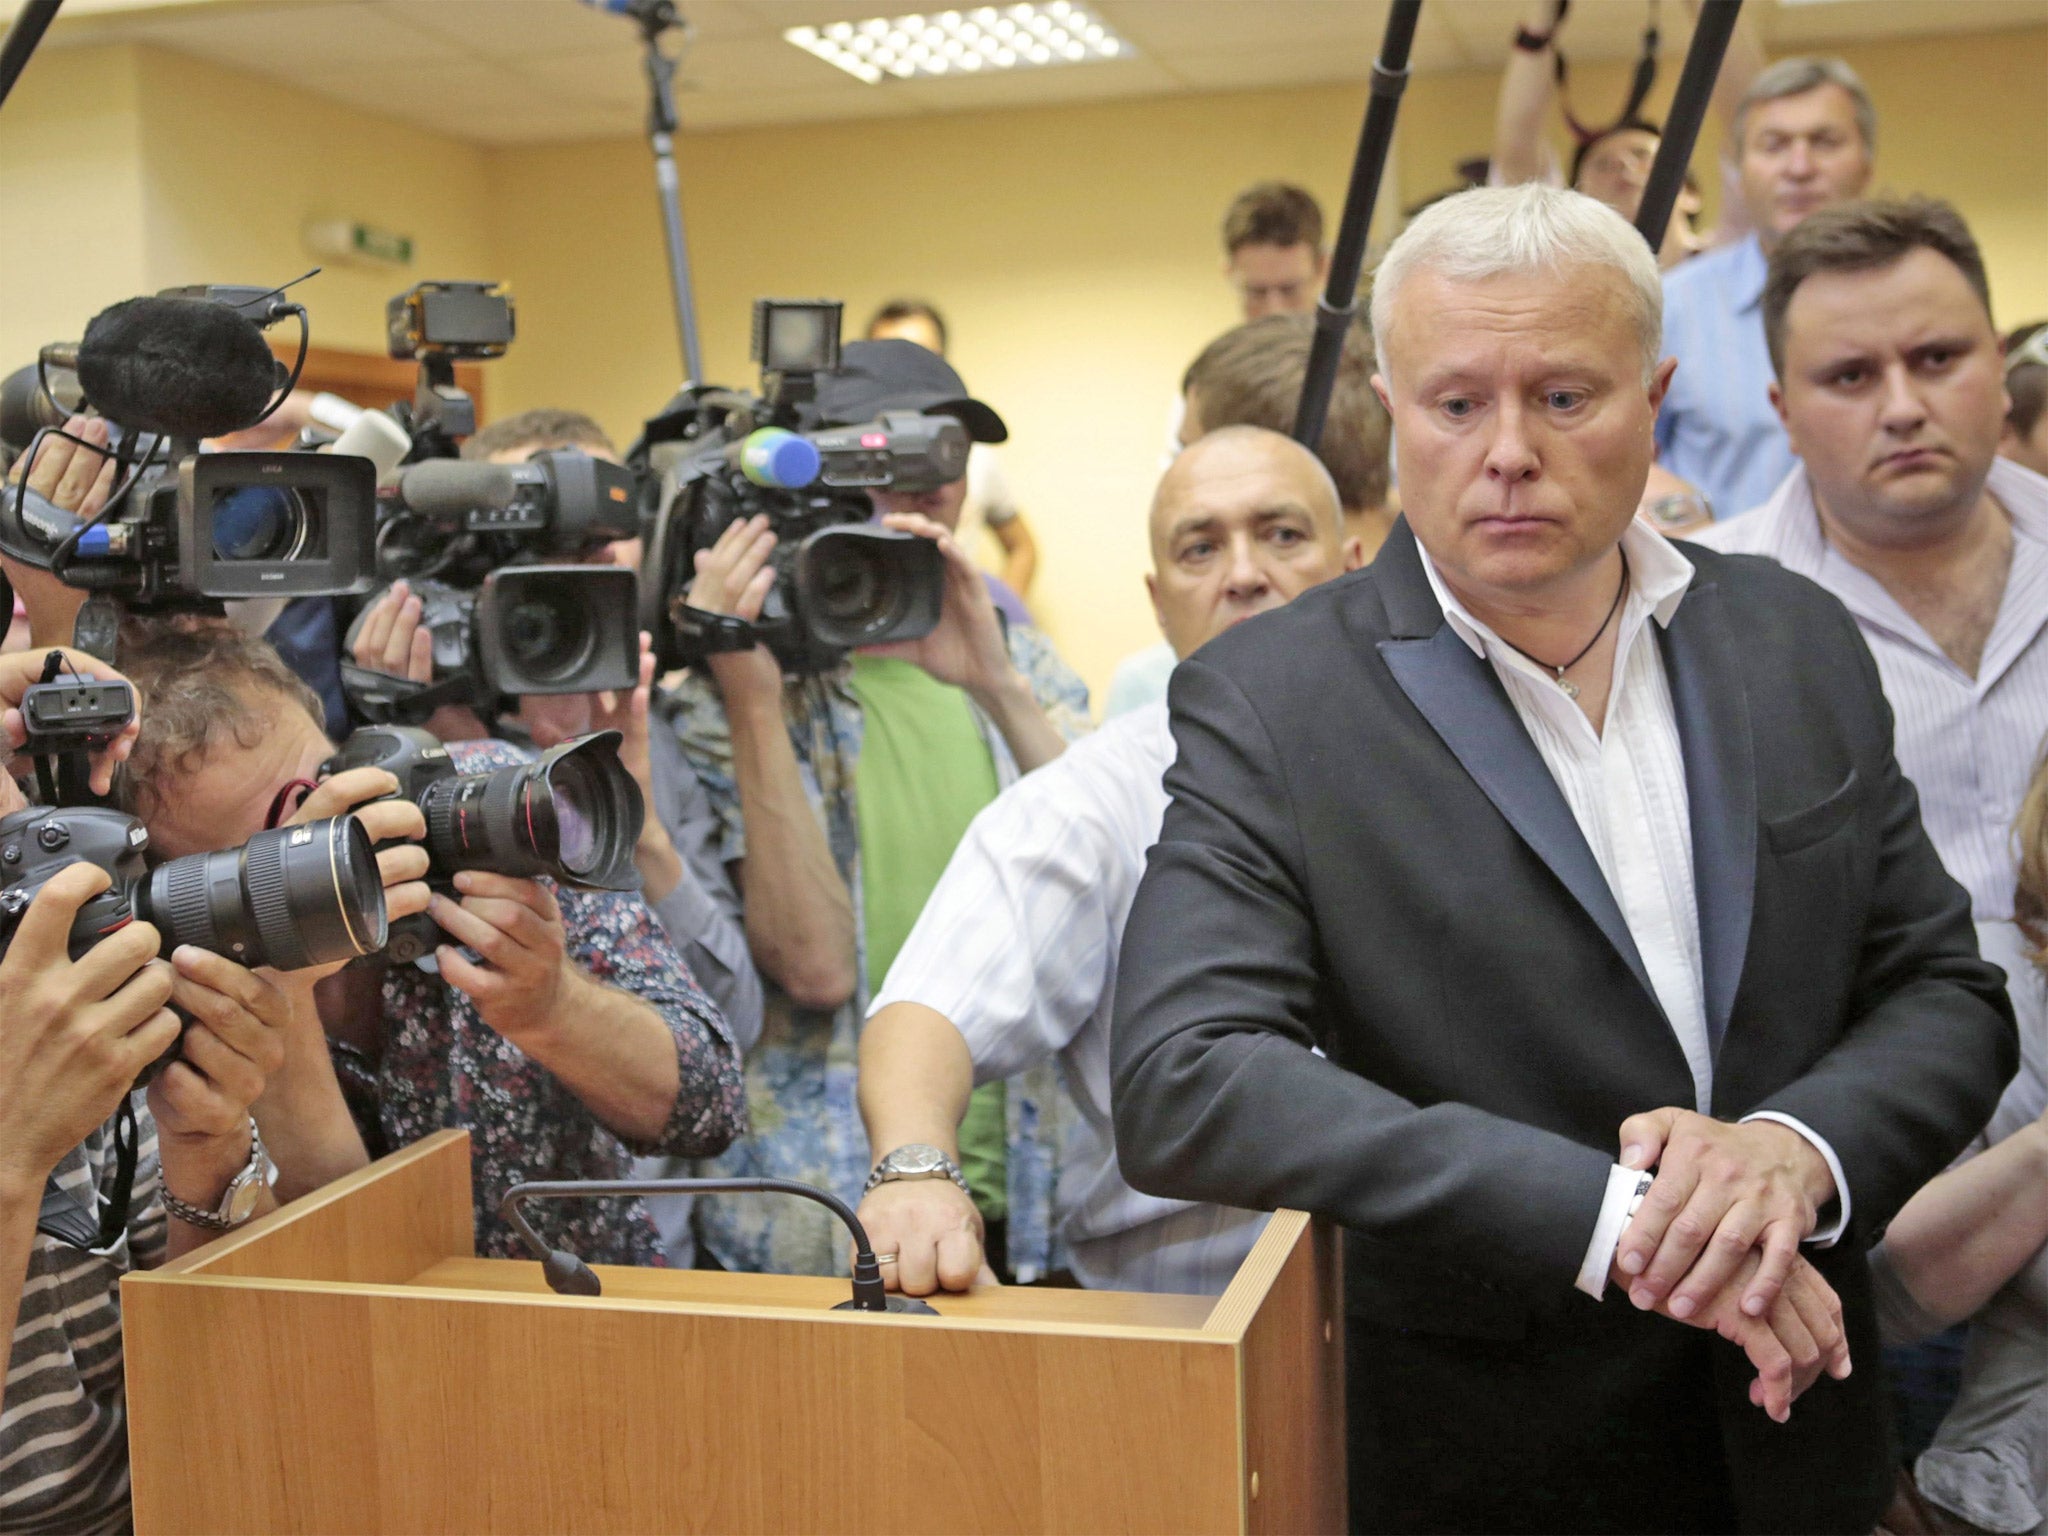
801, 1077
443, 1066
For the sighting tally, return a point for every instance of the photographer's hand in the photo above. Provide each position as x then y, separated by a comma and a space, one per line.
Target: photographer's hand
734, 576
609, 1048
968, 650
74, 1034
394, 641
234, 1046
403, 865
655, 856
20, 670
76, 480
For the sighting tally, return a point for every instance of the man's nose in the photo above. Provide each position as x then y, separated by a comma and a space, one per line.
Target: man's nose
1901, 408
1799, 162
1246, 577
1509, 455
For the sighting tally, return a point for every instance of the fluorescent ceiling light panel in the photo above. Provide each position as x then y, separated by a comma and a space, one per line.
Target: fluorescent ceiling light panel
980, 41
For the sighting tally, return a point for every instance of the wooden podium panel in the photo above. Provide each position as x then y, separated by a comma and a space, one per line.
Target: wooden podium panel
348, 1364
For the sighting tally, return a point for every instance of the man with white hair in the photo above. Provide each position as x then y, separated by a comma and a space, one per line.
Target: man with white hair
1587, 865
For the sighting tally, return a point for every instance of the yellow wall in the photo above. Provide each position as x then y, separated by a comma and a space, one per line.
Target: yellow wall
1073, 248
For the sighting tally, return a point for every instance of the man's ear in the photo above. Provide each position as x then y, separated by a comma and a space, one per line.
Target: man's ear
1354, 552
1379, 387
1660, 382
1152, 592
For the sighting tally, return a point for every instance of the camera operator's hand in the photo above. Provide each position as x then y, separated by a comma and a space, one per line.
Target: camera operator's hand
734, 576
660, 866
77, 480
398, 822
20, 670
73, 1033
515, 927
394, 641
968, 650
232, 1048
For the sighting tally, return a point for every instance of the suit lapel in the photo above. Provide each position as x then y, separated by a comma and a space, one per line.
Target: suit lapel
1465, 704
1712, 706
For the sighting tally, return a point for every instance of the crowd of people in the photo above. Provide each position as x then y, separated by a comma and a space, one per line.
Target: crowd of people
1608, 876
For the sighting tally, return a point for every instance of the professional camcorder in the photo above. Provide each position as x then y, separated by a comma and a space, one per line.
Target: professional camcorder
290, 897
184, 528
493, 549
715, 457
573, 814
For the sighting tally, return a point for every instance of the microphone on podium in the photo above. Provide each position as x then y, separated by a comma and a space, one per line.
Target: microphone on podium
568, 1275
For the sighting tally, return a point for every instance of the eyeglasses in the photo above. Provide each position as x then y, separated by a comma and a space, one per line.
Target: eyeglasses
2033, 350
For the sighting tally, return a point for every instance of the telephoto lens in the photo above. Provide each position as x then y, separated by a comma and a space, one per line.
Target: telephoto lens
573, 814
289, 897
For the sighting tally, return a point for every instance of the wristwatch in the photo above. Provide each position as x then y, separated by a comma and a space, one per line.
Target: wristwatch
238, 1204
917, 1160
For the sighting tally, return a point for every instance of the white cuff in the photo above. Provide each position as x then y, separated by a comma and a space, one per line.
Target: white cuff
1828, 1236
1607, 1230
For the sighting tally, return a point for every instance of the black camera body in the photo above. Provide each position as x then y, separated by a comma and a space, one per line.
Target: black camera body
716, 457
38, 843
572, 814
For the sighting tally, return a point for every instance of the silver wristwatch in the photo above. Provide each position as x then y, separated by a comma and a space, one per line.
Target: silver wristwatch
915, 1161
238, 1204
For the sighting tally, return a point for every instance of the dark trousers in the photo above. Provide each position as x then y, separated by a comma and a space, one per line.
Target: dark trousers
1455, 1434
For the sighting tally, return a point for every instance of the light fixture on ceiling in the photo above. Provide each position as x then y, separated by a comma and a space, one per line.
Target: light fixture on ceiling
979, 41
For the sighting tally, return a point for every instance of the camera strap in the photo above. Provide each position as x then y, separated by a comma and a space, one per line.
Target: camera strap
709, 634
69, 1219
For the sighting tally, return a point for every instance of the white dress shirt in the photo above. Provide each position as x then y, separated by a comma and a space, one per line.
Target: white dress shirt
1018, 948
1625, 785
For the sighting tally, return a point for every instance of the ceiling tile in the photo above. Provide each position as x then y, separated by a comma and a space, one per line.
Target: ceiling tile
1028, 87
1169, 26
278, 40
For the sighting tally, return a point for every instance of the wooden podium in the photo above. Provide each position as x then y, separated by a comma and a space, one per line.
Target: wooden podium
348, 1365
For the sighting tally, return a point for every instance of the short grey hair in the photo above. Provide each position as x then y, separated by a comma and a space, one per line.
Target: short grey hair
1795, 77
1513, 231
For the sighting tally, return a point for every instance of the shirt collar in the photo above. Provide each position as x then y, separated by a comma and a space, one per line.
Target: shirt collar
1790, 521
1749, 269
1658, 577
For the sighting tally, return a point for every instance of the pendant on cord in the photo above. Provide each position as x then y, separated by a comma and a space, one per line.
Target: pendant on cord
1571, 689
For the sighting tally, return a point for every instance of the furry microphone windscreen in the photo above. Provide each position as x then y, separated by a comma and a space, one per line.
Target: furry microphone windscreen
185, 368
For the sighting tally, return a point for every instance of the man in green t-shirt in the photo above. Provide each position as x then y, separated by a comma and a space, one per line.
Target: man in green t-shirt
841, 797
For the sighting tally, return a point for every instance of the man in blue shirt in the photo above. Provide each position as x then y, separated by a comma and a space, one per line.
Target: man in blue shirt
1805, 137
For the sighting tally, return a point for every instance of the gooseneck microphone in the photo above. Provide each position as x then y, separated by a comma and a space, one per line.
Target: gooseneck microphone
568, 1275
181, 368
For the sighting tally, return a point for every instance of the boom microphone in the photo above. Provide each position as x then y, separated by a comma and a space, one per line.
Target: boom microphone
448, 489
181, 368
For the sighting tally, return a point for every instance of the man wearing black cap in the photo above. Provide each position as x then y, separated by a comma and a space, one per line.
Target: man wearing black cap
840, 797
897, 374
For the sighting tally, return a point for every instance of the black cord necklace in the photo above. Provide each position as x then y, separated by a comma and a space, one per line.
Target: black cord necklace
1571, 689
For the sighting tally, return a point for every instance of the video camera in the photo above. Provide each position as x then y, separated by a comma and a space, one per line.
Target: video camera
715, 457
183, 529
490, 548
290, 897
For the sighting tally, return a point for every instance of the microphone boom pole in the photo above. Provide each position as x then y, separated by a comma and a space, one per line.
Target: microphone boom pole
1339, 303
655, 17
1710, 36
30, 24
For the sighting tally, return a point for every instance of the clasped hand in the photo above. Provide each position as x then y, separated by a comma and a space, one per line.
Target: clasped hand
1715, 1244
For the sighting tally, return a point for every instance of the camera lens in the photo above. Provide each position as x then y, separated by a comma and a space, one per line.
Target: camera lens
863, 585
549, 636
852, 590
290, 897
260, 522
574, 815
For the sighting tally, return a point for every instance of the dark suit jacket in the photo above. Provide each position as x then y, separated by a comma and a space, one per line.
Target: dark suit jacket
1365, 852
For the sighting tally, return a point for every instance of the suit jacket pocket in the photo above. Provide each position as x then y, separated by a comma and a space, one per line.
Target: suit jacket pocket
1802, 829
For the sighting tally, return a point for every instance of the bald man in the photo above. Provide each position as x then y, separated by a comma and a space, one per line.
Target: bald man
1014, 958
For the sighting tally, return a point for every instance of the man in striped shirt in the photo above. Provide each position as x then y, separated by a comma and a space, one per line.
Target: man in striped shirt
86, 1165
1890, 385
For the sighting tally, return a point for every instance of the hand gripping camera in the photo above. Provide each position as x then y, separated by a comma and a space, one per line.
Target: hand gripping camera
290, 898
573, 814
